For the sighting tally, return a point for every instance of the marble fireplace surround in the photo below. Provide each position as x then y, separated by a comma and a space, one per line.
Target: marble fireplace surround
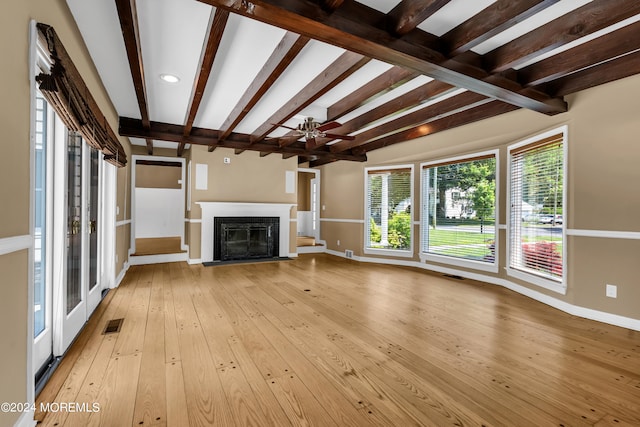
211, 210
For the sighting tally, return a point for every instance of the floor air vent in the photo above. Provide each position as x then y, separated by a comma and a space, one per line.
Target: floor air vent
348, 253
453, 276
113, 326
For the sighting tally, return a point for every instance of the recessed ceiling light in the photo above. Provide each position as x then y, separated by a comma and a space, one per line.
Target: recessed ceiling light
169, 78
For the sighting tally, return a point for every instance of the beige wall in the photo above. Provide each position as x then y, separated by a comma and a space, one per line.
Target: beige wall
15, 172
248, 178
304, 190
13, 331
602, 193
153, 176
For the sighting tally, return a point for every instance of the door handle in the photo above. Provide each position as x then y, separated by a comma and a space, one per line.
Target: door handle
75, 226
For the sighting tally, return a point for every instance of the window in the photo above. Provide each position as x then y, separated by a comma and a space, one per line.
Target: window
536, 219
459, 211
388, 221
40, 217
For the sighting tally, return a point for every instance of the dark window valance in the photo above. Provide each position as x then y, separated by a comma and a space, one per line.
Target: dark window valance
65, 90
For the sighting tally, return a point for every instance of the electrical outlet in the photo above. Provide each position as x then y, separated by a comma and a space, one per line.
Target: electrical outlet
227, 160
323, 207
338, 242
612, 291
117, 210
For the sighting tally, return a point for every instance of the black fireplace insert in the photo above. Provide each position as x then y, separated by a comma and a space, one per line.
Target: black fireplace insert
245, 238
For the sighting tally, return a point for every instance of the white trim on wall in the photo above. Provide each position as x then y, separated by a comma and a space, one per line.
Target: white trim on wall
608, 234
123, 222
193, 220
26, 420
355, 221
587, 313
123, 272
15, 244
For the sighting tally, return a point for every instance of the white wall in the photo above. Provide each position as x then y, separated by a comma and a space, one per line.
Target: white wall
159, 212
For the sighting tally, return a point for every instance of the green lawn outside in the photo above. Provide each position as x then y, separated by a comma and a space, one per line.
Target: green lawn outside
441, 242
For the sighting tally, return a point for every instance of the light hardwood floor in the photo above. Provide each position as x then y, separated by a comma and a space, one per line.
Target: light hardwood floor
324, 341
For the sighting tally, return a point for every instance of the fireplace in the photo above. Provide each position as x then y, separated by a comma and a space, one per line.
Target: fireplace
213, 210
245, 238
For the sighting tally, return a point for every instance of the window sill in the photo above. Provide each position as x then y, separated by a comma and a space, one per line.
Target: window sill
458, 262
559, 287
389, 252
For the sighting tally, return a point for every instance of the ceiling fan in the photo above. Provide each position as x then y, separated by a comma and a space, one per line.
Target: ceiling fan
310, 130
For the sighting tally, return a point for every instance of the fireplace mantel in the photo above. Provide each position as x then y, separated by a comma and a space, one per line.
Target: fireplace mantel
210, 210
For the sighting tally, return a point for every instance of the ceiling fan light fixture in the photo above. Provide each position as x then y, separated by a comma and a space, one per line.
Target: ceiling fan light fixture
169, 78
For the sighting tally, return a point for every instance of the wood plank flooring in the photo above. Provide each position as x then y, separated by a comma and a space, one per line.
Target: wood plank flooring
322, 341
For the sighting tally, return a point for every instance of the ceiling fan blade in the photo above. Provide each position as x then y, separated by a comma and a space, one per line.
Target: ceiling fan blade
311, 143
343, 137
329, 125
283, 126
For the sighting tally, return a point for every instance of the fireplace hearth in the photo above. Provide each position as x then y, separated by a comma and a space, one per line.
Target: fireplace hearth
245, 238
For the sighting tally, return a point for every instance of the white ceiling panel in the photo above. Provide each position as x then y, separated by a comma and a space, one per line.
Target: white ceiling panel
383, 6
453, 14
370, 71
245, 47
407, 87
171, 37
98, 21
312, 60
543, 17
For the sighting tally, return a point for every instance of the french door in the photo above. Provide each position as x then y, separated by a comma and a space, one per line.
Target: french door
67, 229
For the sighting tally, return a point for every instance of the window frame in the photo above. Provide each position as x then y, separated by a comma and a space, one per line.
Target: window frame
404, 253
492, 267
530, 277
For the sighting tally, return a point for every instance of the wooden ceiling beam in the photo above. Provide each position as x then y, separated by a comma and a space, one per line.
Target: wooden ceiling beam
581, 22
417, 96
217, 23
408, 14
286, 51
385, 82
361, 29
477, 113
331, 5
615, 69
128, 16
318, 163
237, 141
463, 100
347, 64
494, 19
602, 49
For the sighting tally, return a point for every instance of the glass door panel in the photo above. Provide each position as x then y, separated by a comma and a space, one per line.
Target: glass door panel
74, 224
93, 217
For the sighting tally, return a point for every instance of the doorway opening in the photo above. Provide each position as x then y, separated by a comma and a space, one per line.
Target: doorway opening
308, 220
158, 202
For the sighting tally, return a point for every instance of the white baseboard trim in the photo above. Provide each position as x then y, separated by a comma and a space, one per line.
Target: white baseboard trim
311, 249
194, 261
15, 244
25, 420
293, 255
587, 313
122, 273
158, 259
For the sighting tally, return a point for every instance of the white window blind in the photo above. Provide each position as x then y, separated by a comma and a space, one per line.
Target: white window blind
458, 209
536, 219
388, 209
